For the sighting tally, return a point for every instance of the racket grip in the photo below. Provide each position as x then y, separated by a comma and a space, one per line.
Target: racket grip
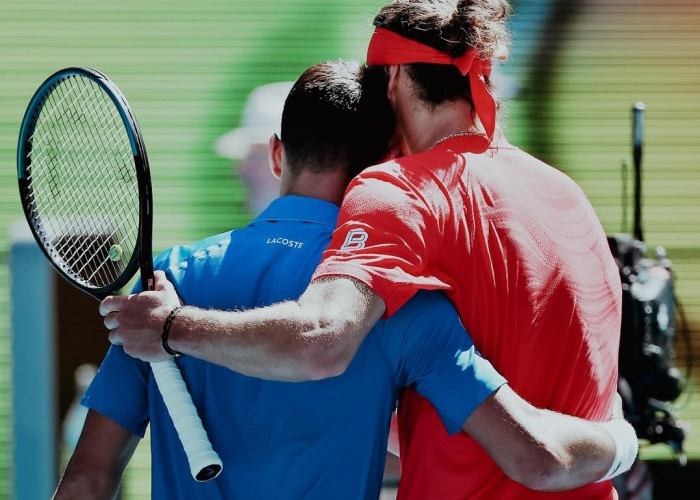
205, 463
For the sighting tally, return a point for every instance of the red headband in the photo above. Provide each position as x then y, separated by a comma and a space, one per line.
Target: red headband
387, 47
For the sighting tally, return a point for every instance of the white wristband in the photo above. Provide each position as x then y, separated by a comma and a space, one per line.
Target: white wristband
626, 447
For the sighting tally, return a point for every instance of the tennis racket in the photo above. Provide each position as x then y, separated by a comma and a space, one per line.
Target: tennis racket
85, 187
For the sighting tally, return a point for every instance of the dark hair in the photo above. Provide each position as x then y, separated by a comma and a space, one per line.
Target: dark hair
452, 27
337, 115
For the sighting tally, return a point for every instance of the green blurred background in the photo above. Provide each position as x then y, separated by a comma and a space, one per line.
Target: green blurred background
187, 67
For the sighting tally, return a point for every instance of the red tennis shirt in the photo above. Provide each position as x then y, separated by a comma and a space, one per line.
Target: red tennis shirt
519, 250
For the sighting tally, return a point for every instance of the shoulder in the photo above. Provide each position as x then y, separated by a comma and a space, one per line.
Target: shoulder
392, 186
399, 170
530, 165
179, 258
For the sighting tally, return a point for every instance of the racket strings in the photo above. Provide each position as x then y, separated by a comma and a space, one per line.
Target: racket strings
65, 118
93, 146
83, 183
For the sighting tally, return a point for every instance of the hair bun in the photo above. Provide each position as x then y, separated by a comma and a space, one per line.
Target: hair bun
451, 26
484, 22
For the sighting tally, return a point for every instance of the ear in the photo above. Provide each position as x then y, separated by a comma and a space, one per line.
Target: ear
393, 72
275, 151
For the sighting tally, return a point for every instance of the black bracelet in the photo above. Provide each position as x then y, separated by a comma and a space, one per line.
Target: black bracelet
166, 332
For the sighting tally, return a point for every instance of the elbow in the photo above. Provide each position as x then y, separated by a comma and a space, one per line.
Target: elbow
325, 360
338, 314
329, 349
542, 471
322, 371
330, 337
540, 478
331, 345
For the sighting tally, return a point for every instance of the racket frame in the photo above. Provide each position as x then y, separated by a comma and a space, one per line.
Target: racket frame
142, 257
204, 462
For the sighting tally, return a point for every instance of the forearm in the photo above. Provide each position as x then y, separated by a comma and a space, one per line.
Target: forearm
578, 452
278, 342
541, 449
313, 338
84, 484
584, 452
95, 470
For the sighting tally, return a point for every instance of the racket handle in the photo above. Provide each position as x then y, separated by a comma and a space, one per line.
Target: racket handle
205, 463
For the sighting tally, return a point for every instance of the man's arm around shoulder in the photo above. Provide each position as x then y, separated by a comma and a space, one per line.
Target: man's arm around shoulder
312, 338
549, 451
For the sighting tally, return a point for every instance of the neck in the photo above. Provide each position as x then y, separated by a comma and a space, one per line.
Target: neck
423, 125
328, 185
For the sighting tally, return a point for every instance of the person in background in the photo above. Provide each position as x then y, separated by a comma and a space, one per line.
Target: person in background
75, 416
247, 143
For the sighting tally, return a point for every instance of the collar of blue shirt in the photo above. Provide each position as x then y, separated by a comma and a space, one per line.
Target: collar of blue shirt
301, 208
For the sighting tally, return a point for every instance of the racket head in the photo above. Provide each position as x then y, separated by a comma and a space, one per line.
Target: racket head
84, 181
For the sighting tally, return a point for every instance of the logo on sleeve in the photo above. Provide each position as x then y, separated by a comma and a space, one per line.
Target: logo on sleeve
355, 240
463, 359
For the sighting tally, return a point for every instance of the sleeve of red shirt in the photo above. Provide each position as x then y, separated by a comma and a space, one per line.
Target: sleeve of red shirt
387, 232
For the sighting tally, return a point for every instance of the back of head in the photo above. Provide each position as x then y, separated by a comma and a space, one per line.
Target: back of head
336, 116
452, 27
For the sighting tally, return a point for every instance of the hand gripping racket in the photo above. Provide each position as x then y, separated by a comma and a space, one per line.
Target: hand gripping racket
85, 187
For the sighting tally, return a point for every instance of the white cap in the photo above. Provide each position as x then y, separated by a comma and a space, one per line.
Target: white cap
261, 118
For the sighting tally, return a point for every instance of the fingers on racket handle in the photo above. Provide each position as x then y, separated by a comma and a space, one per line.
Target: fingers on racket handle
205, 463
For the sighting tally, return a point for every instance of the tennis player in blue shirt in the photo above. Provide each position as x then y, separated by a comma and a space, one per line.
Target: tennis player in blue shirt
321, 439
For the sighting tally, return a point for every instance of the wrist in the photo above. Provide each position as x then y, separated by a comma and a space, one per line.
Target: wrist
167, 326
626, 447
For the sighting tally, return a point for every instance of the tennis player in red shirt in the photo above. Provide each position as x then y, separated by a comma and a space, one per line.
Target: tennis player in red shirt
513, 242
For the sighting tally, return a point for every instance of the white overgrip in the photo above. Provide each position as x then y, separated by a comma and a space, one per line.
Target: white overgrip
205, 463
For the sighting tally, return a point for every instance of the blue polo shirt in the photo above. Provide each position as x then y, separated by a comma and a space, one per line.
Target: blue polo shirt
280, 440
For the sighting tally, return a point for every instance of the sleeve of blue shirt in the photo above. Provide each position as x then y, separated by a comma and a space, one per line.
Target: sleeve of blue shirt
439, 358
120, 391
